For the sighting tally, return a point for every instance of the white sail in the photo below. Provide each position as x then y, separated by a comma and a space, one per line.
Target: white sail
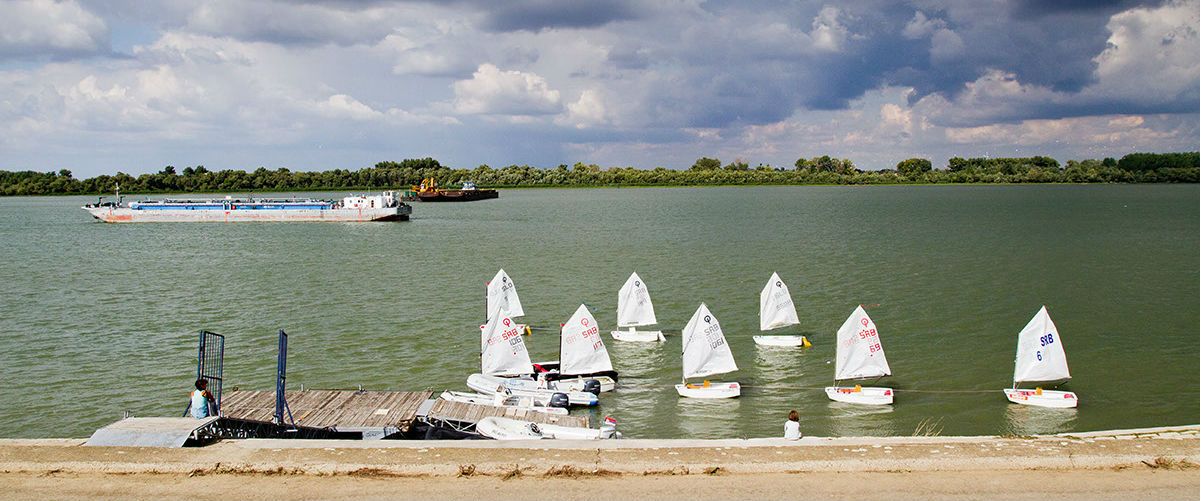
502, 351
502, 294
705, 349
859, 353
1040, 355
581, 350
775, 305
634, 306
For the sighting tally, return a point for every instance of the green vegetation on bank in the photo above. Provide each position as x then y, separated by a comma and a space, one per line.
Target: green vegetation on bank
1132, 168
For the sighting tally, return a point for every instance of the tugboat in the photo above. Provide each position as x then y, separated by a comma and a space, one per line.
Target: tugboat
428, 191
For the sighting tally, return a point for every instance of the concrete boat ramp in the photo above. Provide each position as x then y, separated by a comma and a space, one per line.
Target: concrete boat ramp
315, 414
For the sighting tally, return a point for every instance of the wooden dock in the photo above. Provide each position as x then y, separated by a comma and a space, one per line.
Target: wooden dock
359, 409
472, 413
326, 408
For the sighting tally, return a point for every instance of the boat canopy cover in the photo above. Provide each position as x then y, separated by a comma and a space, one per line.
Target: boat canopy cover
502, 294
1040, 355
775, 305
705, 349
859, 353
634, 306
581, 350
502, 351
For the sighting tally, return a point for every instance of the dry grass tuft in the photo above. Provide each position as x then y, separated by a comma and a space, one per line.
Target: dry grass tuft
511, 474
1170, 464
568, 471
714, 470
466, 470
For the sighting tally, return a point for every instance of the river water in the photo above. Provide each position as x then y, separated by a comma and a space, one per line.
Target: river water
97, 319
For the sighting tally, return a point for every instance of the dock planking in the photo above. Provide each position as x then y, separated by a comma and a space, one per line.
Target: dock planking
462, 411
329, 408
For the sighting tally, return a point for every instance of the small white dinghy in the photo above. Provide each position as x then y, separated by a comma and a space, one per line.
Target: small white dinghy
634, 309
501, 294
859, 355
1040, 359
501, 428
706, 353
503, 353
508, 401
582, 355
776, 310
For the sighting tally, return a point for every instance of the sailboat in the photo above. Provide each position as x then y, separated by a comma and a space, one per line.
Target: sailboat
634, 309
776, 310
503, 355
859, 355
582, 355
501, 293
706, 353
1040, 358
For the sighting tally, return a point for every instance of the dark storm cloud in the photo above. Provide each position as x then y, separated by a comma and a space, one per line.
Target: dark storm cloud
536, 15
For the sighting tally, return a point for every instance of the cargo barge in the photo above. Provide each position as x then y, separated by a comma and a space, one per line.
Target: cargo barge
428, 191
384, 207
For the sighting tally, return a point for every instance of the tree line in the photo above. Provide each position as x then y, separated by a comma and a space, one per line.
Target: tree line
1132, 168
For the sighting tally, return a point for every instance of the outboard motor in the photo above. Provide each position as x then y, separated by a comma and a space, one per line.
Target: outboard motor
608, 429
592, 386
559, 400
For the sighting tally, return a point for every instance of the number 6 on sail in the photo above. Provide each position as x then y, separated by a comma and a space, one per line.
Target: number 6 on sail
1040, 359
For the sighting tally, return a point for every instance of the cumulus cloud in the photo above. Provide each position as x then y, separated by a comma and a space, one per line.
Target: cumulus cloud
921, 26
50, 28
828, 32
588, 110
1151, 55
491, 91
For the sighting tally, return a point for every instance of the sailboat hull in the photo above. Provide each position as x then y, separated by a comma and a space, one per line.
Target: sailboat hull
712, 390
867, 395
489, 385
1042, 398
781, 340
640, 336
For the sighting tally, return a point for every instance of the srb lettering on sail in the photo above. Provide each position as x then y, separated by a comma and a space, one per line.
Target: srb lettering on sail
713, 333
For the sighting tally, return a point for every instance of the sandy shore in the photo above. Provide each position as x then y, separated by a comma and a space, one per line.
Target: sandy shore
1126, 464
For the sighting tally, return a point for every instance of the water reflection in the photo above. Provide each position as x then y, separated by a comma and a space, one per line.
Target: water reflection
778, 364
858, 420
1025, 420
707, 418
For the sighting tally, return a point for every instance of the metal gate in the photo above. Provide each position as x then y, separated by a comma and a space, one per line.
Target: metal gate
210, 362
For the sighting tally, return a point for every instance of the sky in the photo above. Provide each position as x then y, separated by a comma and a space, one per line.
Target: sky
107, 86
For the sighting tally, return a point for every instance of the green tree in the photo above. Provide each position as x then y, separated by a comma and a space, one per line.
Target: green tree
914, 167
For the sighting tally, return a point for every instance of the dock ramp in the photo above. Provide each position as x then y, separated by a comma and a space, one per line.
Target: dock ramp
151, 432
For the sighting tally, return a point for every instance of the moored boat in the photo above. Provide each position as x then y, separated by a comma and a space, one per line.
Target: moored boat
354, 208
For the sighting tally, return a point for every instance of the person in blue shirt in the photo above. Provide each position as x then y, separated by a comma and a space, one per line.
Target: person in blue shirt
203, 404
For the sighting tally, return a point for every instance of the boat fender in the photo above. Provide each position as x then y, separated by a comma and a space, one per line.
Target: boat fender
1038, 391
805, 342
527, 330
592, 386
858, 388
559, 399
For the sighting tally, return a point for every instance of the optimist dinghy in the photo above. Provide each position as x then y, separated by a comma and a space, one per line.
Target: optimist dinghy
501, 428
776, 310
582, 356
503, 353
1040, 359
501, 294
508, 401
859, 355
706, 353
634, 309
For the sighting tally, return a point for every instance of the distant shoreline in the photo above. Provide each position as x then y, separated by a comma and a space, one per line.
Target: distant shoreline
588, 187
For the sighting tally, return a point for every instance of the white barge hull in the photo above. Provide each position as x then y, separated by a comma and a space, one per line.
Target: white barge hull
127, 215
